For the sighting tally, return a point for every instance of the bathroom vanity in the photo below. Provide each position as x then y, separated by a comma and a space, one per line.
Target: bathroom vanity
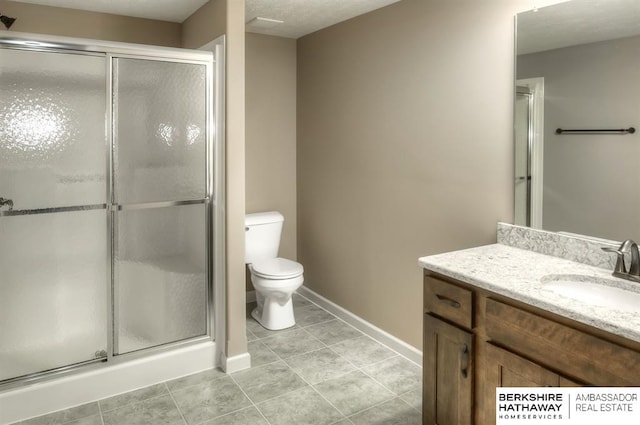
502, 316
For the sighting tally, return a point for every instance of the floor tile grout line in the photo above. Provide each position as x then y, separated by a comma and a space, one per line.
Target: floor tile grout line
215, 378
272, 352
309, 385
313, 351
343, 321
335, 343
360, 368
363, 334
383, 385
330, 404
279, 395
255, 406
410, 405
277, 333
340, 356
132, 402
317, 323
341, 420
367, 336
229, 414
100, 410
304, 307
366, 408
61, 410
378, 405
299, 354
350, 362
393, 354
357, 368
318, 349
175, 403
379, 361
313, 336
319, 393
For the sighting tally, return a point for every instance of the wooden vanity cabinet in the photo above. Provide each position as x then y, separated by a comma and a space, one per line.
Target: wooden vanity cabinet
448, 356
503, 368
503, 342
448, 373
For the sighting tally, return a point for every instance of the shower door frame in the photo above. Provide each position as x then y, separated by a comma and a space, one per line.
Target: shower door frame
214, 185
535, 144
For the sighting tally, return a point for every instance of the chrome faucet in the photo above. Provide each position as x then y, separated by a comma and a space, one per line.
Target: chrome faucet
621, 270
8, 202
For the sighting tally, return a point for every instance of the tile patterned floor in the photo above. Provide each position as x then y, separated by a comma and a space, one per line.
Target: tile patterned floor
320, 372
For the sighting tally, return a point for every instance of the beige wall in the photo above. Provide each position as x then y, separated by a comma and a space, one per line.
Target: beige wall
99, 26
199, 29
587, 188
206, 24
235, 117
271, 131
404, 149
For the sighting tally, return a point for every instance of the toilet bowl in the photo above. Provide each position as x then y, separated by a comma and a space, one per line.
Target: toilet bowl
274, 279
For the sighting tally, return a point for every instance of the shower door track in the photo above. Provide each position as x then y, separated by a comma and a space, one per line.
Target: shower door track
94, 364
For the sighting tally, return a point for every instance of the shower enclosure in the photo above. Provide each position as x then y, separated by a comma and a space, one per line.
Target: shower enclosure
523, 145
108, 212
529, 152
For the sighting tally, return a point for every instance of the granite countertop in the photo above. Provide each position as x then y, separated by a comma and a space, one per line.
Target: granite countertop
520, 274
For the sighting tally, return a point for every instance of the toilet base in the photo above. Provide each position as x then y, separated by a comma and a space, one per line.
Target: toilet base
271, 322
275, 306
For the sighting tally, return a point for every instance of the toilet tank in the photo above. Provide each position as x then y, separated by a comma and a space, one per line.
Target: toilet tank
262, 235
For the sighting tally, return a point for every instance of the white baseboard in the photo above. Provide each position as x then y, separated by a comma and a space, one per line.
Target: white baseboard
367, 328
236, 363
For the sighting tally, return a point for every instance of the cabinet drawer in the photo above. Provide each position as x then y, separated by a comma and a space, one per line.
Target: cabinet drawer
584, 357
448, 301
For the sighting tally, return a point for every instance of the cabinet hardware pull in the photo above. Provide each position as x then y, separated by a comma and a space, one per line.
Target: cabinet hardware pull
452, 302
465, 361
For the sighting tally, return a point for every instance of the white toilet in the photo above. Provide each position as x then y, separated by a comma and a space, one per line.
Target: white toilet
274, 279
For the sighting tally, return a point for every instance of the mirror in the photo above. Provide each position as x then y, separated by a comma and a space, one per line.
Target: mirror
578, 69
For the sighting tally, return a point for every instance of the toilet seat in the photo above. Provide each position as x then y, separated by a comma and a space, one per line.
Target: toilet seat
276, 269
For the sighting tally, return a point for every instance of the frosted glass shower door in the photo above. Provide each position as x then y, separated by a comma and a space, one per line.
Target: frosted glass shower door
53, 232
160, 253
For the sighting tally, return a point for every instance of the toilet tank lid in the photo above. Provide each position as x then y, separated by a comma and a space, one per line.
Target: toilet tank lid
257, 219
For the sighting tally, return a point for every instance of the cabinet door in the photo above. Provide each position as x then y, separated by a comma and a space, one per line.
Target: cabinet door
448, 374
505, 369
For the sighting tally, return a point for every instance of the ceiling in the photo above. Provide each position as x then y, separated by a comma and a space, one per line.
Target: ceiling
163, 10
300, 17
577, 22
303, 17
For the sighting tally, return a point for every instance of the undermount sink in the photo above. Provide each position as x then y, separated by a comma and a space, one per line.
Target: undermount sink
595, 291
